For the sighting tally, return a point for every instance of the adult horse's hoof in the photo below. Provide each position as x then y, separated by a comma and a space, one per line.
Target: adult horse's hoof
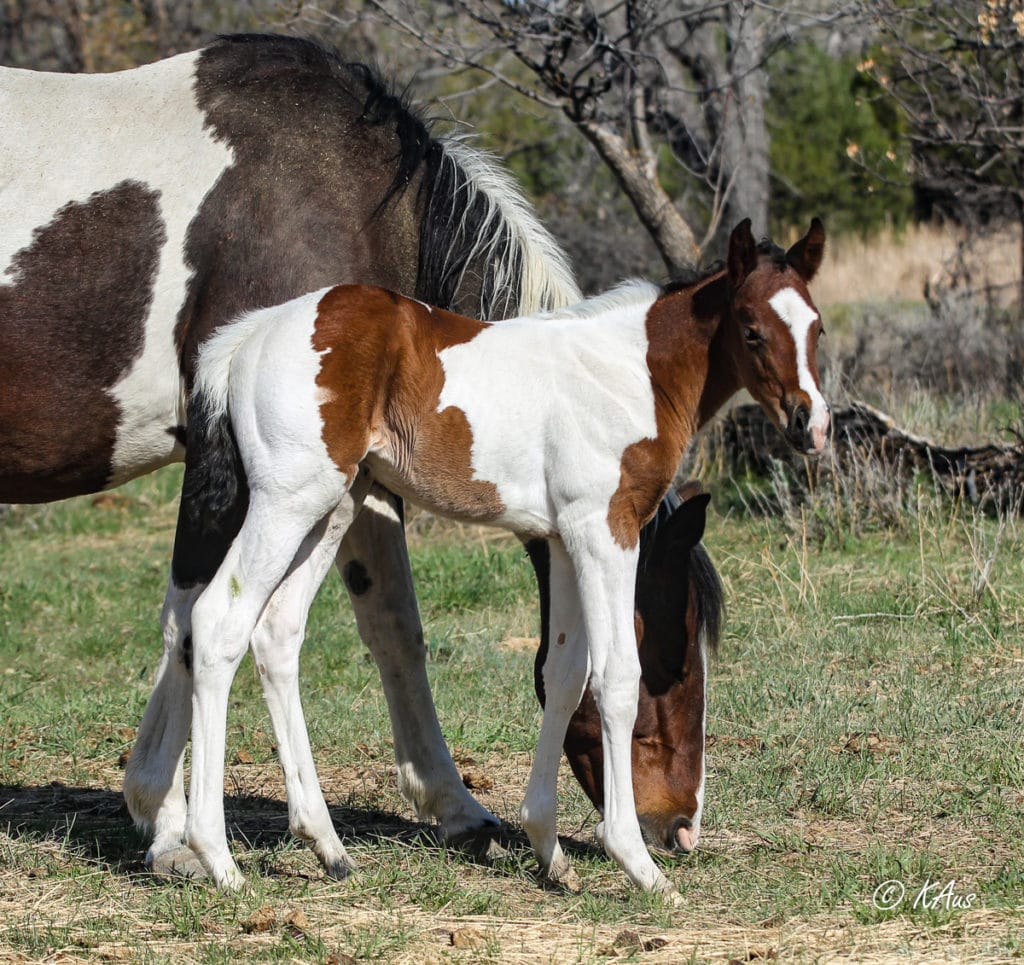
180, 862
483, 844
562, 878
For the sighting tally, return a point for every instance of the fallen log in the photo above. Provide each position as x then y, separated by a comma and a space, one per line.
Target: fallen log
989, 476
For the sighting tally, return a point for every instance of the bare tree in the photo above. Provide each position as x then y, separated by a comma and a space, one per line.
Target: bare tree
670, 94
956, 71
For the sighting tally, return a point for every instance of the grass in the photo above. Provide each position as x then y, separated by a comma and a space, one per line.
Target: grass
865, 719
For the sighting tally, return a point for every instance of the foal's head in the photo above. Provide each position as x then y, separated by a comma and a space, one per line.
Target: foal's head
775, 329
678, 613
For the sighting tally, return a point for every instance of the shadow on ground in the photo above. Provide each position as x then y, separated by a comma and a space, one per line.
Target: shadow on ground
94, 825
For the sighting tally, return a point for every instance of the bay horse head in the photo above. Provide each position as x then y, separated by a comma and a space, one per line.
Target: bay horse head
774, 328
678, 616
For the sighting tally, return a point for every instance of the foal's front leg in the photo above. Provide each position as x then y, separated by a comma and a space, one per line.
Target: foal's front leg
607, 575
565, 678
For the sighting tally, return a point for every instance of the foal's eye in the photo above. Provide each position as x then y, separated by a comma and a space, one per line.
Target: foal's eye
752, 337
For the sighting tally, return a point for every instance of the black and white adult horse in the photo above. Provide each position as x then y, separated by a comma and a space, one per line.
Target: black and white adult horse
143, 209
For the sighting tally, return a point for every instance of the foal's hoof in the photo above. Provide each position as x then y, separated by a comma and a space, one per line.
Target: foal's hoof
180, 862
340, 868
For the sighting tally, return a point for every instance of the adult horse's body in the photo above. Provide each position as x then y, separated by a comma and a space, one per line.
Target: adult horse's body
566, 426
143, 210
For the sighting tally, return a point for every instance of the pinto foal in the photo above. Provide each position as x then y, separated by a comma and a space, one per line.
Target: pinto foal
567, 426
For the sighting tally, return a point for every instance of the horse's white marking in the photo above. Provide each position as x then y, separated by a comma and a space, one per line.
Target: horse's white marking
66, 137
791, 307
522, 380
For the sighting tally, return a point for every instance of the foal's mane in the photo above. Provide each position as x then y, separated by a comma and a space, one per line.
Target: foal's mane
633, 291
697, 276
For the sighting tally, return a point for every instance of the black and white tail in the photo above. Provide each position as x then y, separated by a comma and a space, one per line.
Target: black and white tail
479, 225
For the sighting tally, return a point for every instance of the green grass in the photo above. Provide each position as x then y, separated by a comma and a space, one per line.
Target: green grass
865, 717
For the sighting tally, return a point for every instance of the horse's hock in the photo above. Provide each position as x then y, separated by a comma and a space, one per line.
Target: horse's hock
989, 476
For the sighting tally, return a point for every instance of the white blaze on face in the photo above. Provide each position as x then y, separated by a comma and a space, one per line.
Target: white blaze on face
794, 311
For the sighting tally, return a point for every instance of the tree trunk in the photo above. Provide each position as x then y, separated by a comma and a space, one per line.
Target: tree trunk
672, 235
745, 133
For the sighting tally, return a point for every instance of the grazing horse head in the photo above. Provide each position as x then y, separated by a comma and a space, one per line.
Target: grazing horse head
769, 333
678, 614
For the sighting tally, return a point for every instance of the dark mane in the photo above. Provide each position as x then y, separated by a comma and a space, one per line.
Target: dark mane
692, 277
777, 255
479, 245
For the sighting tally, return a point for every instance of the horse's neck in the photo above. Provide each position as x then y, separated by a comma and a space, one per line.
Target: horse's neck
723, 378
698, 372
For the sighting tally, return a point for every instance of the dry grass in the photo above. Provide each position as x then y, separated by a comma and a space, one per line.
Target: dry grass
895, 267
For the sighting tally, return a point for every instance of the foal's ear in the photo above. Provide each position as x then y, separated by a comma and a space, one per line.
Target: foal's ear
742, 258
806, 255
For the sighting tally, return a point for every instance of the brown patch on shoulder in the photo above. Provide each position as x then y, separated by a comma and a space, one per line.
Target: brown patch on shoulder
677, 357
72, 322
382, 382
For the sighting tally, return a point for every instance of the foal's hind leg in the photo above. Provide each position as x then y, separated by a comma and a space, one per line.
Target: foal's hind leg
223, 621
275, 644
374, 564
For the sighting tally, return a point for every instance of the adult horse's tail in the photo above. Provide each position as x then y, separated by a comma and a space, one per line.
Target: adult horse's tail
480, 237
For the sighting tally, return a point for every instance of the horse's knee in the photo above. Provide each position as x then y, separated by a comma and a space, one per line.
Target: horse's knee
212, 646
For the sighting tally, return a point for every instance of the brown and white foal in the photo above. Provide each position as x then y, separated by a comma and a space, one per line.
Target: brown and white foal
567, 426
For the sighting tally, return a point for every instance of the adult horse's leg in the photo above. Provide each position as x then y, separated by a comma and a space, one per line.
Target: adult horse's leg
565, 677
374, 564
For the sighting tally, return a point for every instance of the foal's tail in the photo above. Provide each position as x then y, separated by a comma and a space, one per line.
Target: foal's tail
215, 480
479, 229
